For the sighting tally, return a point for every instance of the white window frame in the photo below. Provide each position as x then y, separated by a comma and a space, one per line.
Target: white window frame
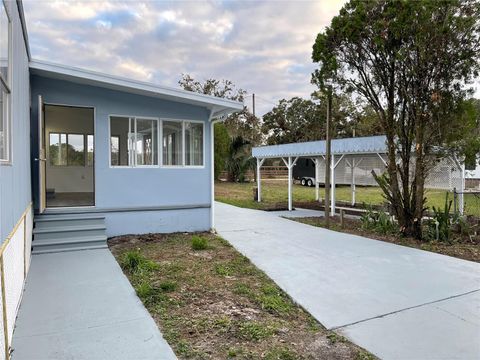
183, 165
8, 91
159, 143
85, 150
133, 163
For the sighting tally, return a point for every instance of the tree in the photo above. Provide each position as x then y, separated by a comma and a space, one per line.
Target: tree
412, 62
297, 119
221, 147
294, 120
241, 124
469, 144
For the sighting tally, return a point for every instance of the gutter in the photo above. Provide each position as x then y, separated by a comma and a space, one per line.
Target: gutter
24, 28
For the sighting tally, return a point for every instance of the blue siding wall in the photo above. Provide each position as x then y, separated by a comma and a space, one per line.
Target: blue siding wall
15, 188
135, 187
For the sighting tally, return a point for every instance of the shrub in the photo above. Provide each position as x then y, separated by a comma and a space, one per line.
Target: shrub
439, 227
378, 221
199, 242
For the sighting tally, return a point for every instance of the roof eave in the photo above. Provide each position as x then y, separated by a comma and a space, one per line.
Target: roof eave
132, 86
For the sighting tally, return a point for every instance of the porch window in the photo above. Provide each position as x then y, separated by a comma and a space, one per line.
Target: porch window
146, 138
58, 149
5, 134
193, 144
75, 150
70, 149
115, 150
172, 143
90, 150
133, 141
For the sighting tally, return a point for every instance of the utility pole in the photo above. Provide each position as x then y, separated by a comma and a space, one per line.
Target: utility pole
327, 158
253, 104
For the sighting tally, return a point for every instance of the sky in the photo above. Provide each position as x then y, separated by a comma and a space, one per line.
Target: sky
262, 47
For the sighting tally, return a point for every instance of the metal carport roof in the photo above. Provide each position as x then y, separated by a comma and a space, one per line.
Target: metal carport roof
357, 145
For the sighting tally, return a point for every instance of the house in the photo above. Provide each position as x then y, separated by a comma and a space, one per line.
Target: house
88, 155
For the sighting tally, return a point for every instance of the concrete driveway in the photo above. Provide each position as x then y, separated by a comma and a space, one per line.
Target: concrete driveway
79, 305
396, 302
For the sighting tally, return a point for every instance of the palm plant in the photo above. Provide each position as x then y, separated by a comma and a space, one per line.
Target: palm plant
239, 159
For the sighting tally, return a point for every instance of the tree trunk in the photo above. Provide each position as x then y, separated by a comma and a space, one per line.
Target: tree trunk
419, 180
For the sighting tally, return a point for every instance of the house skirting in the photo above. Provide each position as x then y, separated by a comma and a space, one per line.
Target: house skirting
157, 221
15, 255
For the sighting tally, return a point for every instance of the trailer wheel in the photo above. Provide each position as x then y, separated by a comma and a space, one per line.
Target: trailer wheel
310, 182
303, 182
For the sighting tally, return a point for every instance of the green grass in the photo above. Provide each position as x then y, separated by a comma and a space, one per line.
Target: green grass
134, 262
275, 192
256, 330
199, 243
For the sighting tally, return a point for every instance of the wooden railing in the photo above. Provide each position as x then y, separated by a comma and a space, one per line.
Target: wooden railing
268, 172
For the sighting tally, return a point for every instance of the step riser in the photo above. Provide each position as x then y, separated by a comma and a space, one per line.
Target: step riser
52, 224
68, 234
68, 247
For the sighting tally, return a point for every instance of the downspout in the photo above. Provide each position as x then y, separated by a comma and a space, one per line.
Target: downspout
212, 168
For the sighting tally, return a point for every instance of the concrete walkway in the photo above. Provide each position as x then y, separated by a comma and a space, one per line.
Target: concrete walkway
397, 302
79, 305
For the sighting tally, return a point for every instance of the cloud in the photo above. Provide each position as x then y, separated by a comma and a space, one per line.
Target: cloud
263, 47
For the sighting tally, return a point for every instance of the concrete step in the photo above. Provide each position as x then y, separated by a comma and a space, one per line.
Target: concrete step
48, 222
68, 232
56, 249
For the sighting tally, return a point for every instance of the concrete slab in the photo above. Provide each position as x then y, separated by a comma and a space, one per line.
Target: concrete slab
298, 212
344, 279
448, 330
79, 305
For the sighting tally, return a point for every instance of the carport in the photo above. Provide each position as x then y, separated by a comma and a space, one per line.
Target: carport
352, 159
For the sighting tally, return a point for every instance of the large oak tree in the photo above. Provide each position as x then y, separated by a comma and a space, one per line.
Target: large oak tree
412, 61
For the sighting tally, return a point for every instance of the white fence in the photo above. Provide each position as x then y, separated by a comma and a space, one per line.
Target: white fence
15, 254
445, 175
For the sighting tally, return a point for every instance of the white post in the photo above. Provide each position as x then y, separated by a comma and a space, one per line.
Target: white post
317, 195
353, 182
212, 173
290, 183
259, 181
462, 187
332, 182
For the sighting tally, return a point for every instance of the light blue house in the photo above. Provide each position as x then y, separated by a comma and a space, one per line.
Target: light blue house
84, 155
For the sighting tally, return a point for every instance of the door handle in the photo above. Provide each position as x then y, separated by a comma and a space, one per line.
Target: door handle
37, 159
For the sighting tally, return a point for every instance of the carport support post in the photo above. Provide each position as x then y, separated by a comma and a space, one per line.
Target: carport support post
332, 184
290, 164
259, 180
462, 187
290, 183
317, 195
353, 182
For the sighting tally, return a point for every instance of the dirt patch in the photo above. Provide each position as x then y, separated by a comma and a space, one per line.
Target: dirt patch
463, 247
215, 304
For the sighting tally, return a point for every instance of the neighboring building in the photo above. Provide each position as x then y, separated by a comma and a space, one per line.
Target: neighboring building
475, 173
92, 156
